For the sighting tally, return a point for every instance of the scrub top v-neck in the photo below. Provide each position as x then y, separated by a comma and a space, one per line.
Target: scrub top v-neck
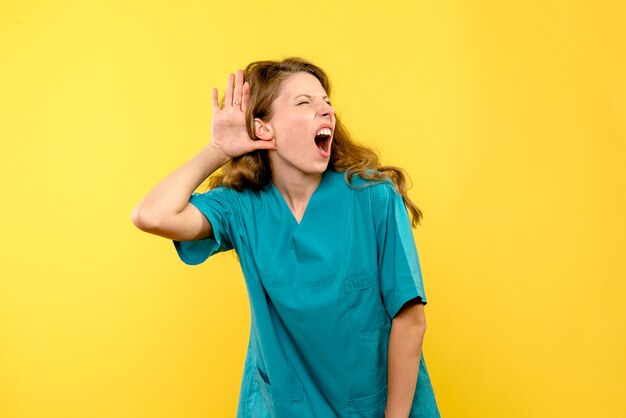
286, 207
322, 294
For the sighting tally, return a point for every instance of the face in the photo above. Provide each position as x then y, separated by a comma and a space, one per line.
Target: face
300, 112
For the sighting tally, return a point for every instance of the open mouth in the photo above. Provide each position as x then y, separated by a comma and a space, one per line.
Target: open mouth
323, 140
323, 143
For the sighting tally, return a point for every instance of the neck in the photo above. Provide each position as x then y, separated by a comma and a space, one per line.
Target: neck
296, 187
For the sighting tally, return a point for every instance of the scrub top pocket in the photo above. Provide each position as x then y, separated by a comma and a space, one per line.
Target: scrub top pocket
370, 406
366, 309
286, 401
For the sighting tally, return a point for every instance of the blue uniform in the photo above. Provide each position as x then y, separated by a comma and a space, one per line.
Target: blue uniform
322, 294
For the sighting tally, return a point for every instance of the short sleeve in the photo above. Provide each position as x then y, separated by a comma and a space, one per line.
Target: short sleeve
218, 205
400, 274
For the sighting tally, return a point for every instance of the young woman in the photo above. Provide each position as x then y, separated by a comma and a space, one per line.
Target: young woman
323, 236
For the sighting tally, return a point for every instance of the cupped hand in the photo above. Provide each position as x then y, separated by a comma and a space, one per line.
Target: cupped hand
228, 125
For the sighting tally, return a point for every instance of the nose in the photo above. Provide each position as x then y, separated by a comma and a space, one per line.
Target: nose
326, 110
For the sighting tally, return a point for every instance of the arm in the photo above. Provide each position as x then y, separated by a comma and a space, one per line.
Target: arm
404, 352
157, 211
165, 210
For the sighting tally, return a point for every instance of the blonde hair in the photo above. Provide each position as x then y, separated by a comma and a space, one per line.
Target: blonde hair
252, 171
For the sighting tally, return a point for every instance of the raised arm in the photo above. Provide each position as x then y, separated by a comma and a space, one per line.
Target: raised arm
165, 210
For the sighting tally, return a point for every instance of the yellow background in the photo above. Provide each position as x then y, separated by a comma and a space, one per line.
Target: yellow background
510, 118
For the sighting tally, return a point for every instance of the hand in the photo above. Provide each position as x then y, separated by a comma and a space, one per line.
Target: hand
228, 125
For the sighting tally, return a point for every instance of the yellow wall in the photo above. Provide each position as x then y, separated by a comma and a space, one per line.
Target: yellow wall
510, 119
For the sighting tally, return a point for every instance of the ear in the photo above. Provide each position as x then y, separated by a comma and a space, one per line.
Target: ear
263, 130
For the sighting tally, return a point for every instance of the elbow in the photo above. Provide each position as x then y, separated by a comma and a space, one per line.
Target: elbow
419, 325
143, 219
417, 328
411, 328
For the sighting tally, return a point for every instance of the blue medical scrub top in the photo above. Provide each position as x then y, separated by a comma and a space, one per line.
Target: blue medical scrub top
322, 295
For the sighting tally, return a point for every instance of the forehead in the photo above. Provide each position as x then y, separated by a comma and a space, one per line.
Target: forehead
300, 83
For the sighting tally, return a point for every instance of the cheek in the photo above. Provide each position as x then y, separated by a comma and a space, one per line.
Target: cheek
297, 127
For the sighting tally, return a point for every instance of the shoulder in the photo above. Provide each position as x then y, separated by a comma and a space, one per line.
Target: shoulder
378, 189
223, 196
217, 192
378, 194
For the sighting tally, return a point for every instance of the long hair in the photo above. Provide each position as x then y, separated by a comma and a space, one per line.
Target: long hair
252, 171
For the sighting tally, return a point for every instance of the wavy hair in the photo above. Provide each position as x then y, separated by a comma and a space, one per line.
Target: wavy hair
252, 171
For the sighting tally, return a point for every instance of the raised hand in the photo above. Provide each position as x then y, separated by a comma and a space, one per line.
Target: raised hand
228, 125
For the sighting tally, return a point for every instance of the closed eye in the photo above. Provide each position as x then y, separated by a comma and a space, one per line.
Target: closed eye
301, 103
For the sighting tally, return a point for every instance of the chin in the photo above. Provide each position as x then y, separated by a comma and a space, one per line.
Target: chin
308, 166
319, 168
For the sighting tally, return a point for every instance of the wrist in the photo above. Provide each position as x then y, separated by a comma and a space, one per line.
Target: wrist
216, 153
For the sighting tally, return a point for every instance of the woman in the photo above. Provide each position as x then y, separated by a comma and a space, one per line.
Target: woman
325, 244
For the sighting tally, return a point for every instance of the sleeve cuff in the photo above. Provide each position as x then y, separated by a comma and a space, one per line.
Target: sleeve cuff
394, 307
197, 251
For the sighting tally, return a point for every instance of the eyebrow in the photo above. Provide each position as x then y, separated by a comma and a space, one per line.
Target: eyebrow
310, 97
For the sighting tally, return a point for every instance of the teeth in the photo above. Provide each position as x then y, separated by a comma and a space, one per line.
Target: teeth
324, 131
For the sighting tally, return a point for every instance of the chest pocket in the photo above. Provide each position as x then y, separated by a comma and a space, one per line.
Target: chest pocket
363, 298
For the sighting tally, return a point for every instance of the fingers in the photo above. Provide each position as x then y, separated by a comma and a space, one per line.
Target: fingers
228, 96
245, 97
238, 88
216, 105
237, 95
